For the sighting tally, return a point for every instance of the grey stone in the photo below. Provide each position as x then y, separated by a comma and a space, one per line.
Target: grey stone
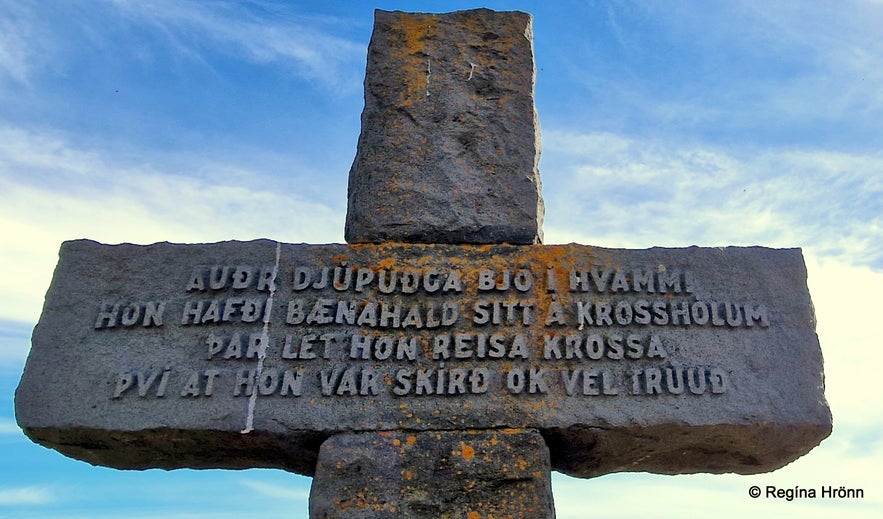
432, 475
450, 140
100, 360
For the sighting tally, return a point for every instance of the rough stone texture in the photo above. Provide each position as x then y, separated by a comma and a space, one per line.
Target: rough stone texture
450, 140
772, 411
433, 475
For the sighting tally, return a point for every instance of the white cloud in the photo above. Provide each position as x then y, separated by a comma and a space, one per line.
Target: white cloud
25, 496
616, 190
9, 428
845, 299
275, 491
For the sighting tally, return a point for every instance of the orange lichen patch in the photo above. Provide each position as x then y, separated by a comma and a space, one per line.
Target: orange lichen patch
397, 442
466, 451
391, 247
542, 405
411, 440
386, 263
409, 50
385, 434
473, 515
512, 431
414, 30
408, 475
360, 247
425, 262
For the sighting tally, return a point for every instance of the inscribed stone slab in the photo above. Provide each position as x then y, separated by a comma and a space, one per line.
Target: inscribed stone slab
661, 360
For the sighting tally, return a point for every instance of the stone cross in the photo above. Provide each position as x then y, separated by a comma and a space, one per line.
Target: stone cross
442, 363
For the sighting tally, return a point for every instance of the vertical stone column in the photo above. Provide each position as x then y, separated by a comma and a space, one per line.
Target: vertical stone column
450, 140
472, 474
448, 154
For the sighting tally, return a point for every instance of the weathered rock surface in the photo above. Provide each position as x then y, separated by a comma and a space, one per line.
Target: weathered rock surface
450, 140
660, 360
433, 474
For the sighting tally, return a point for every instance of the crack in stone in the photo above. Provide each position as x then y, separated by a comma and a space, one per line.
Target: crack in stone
262, 351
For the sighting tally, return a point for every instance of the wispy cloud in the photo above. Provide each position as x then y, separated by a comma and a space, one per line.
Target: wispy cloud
22, 44
865, 442
8, 427
257, 32
746, 70
36, 37
276, 491
25, 496
14, 345
620, 190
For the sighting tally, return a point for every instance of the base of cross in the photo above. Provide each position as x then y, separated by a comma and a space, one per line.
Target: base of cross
490, 473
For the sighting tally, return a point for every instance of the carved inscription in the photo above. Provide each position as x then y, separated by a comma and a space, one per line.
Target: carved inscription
337, 331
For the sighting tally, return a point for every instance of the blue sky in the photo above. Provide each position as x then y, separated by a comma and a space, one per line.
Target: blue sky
673, 124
